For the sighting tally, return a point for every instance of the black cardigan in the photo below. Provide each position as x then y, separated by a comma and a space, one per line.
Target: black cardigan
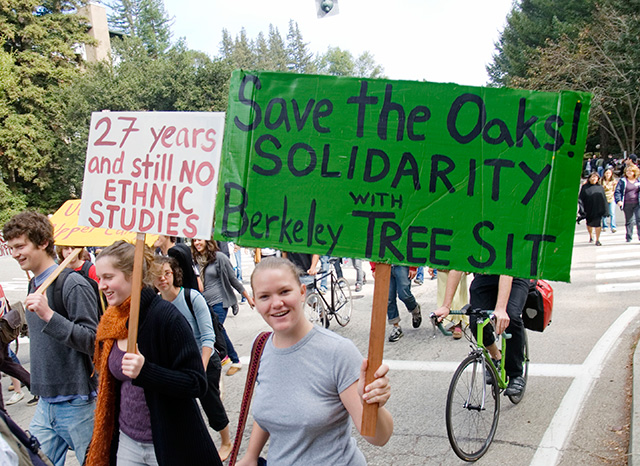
172, 378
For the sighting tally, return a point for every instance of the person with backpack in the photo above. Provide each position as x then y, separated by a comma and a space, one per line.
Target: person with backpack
79, 264
62, 340
167, 278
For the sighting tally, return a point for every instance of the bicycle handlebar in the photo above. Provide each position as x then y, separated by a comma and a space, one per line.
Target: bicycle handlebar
466, 310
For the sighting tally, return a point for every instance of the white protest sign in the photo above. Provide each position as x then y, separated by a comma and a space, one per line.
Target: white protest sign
152, 172
4, 247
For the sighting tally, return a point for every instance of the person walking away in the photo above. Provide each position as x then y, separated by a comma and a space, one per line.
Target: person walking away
146, 412
594, 202
400, 287
310, 386
609, 185
626, 197
61, 342
167, 279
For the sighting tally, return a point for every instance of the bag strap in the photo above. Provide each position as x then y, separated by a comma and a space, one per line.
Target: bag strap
252, 374
187, 298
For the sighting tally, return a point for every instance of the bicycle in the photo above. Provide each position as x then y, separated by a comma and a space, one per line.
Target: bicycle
320, 311
473, 399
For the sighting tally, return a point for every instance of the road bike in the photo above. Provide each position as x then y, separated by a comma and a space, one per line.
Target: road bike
320, 310
473, 399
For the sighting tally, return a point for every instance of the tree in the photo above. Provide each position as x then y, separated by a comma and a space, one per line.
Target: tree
277, 53
365, 66
603, 59
38, 57
300, 59
337, 62
145, 19
243, 56
529, 25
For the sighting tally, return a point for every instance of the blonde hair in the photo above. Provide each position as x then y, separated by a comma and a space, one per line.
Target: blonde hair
272, 263
634, 169
122, 254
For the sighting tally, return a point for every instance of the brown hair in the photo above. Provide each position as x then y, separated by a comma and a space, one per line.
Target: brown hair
122, 255
271, 263
35, 226
209, 254
156, 268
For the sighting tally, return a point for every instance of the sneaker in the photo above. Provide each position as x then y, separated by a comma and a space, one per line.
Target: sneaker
235, 367
33, 401
17, 396
235, 309
515, 387
396, 334
416, 319
598, 243
358, 287
226, 360
418, 282
457, 332
613, 230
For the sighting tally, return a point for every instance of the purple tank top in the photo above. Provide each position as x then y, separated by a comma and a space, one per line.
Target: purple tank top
134, 418
631, 193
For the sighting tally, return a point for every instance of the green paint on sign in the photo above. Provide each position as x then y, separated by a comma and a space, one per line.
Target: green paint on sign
455, 177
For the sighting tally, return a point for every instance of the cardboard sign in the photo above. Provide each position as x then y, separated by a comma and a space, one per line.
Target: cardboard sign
67, 232
152, 172
4, 247
415, 173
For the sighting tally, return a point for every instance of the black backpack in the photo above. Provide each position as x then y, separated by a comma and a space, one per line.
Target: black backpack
220, 345
54, 292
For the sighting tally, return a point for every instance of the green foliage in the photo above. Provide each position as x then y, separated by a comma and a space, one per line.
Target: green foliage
38, 57
143, 19
300, 59
10, 203
530, 24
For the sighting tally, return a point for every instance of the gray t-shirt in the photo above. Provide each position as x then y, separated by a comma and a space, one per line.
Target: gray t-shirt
297, 400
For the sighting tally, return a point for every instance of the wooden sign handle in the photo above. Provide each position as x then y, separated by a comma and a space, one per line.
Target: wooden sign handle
136, 280
50, 279
376, 342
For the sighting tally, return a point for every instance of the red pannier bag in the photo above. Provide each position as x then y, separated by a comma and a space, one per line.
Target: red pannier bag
537, 310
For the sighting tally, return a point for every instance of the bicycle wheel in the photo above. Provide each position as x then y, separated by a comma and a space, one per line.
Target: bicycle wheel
473, 408
316, 310
342, 302
515, 399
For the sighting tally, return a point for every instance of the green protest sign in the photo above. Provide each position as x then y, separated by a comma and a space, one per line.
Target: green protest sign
414, 173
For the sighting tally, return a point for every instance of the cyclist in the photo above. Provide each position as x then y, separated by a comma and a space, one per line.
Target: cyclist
506, 296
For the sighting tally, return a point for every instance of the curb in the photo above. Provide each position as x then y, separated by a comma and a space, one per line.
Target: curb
634, 433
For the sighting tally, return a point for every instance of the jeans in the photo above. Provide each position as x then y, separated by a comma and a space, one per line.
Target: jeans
134, 453
611, 208
420, 274
221, 312
484, 294
357, 264
58, 426
400, 286
631, 211
238, 257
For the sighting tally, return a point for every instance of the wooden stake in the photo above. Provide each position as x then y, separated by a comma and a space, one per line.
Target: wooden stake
50, 279
376, 342
136, 280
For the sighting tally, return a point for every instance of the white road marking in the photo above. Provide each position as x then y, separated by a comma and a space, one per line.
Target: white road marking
617, 287
616, 275
621, 255
617, 264
559, 430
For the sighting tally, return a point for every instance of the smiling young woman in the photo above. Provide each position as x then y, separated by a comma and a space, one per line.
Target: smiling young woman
310, 384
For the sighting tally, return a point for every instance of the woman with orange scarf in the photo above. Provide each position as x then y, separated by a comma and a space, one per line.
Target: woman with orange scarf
146, 413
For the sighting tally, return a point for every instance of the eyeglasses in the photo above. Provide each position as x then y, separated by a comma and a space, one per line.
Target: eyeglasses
167, 274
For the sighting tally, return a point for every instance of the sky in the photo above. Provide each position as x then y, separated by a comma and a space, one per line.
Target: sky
432, 40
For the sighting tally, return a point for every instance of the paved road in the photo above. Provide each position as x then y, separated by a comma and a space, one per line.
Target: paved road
576, 409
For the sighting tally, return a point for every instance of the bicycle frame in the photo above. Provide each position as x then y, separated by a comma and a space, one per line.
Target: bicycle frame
333, 280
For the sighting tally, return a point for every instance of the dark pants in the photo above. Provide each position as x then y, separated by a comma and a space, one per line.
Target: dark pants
484, 295
631, 216
211, 402
12, 369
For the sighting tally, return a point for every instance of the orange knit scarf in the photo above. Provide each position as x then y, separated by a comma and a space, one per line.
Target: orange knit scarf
112, 327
